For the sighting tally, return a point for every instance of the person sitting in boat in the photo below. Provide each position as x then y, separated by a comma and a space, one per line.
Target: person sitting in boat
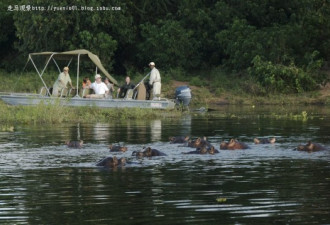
101, 90
110, 86
123, 89
86, 82
155, 81
62, 81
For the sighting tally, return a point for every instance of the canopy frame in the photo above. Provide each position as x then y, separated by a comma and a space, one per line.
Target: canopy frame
69, 55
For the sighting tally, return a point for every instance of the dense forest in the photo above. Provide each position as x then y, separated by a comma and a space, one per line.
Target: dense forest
282, 45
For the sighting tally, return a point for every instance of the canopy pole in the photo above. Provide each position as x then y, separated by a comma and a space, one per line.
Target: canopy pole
77, 75
39, 74
50, 57
70, 62
59, 70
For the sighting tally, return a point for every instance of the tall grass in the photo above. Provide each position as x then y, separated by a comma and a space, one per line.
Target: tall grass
44, 113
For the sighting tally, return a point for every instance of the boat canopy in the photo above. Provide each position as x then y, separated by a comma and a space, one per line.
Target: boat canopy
82, 54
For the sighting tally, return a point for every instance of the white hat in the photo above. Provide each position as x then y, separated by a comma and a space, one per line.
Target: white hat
151, 64
97, 76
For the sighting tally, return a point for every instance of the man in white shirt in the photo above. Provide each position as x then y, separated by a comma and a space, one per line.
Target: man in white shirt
101, 90
155, 81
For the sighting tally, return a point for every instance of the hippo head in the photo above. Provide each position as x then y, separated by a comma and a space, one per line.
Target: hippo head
232, 143
211, 150
171, 139
256, 141
123, 149
301, 148
203, 150
198, 142
223, 145
272, 140
147, 152
137, 154
122, 161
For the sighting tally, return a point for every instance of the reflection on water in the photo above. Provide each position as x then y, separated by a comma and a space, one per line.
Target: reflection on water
156, 130
44, 182
101, 132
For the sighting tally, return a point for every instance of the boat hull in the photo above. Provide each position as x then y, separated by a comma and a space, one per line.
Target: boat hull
35, 99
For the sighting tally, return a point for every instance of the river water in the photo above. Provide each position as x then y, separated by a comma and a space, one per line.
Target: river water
42, 181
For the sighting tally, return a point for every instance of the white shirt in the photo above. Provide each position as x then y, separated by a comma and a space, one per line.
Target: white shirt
154, 76
99, 88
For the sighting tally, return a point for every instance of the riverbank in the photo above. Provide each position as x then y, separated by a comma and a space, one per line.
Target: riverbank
206, 93
53, 114
206, 97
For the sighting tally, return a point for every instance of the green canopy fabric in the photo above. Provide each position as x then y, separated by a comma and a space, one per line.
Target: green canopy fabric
84, 55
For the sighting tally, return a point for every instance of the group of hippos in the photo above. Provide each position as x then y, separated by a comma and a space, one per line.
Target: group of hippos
201, 145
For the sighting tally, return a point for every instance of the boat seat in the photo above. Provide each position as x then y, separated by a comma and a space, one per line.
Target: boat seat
129, 94
86, 91
141, 92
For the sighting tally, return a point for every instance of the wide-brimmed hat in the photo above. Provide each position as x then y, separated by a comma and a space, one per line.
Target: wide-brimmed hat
151, 64
97, 76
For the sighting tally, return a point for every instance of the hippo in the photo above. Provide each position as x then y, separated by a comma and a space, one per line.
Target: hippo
148, 152
198, 143
310, 147
204, 150
264, 140
111, 162
74, 144
233, 145
117, 148
179, 139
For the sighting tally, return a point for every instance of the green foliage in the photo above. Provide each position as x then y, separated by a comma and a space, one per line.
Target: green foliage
167, 42
189, 34
281, 78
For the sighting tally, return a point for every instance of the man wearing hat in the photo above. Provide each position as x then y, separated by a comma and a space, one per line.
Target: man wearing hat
61, 82
155, 81
101, 90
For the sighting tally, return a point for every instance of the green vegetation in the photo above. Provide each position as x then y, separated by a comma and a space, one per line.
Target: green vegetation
44, 113
258, 48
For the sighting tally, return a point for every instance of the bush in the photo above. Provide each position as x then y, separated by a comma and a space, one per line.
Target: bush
281, 78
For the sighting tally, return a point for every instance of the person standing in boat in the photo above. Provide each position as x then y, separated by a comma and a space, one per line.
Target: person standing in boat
123, 89
155, 81
101, 90
61, 82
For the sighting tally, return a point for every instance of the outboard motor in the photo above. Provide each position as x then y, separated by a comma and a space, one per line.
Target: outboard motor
183, 95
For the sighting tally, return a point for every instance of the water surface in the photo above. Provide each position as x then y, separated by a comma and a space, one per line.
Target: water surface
44, 182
